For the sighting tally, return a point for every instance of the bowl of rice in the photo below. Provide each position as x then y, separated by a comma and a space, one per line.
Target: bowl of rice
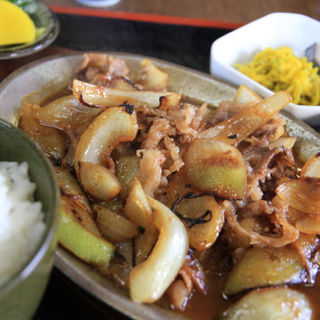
29, 211
269, 54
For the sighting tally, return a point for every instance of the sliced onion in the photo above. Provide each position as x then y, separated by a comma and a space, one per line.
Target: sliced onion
114, 226
80, 212
245, 95
303, 195
240, 126
86, 245
257, 267
287, 142
151, 278
278, 133
126, 169
66, 113
272, 303
178, 186
70, 186
138, 210
144, 242
98, 181
152, 77
169, 101
111, 127
216, 166
203, 233
309, 224
52, 141
137, 206
108, 97
122, 83
311, 168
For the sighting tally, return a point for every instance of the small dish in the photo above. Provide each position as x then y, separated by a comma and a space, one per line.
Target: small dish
274, 30
44, 18
21, 294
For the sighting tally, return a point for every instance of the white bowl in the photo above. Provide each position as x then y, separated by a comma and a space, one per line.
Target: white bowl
274, 30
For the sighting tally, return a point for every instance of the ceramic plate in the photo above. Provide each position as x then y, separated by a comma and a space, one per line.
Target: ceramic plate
44, 20
56, 72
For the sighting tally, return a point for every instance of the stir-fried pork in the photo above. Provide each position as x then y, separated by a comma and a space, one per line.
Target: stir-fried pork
156, 157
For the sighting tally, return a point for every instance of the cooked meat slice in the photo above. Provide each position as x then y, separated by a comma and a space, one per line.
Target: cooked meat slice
157, 132
191, 275
150, 170
267, 165
289, 233
100, 68
174, 152
178, 294
227, 109
183, 122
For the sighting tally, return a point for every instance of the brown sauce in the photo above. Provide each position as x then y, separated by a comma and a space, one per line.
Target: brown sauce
210, 306
213, 304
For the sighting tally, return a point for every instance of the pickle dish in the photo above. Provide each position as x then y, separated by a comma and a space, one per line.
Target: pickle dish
275, 30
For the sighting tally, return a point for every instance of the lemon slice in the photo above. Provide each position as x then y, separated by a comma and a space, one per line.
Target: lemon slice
15, 25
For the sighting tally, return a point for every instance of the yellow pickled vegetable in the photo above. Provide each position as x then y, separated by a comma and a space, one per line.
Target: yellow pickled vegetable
15, 25
279, 69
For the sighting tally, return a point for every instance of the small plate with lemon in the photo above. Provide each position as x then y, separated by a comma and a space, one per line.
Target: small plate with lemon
26, 26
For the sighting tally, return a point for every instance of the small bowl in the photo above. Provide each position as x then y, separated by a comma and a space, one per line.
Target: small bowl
21, 294
274, 30
43, 18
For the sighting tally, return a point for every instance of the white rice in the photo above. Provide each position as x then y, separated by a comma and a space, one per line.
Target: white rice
21, 219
